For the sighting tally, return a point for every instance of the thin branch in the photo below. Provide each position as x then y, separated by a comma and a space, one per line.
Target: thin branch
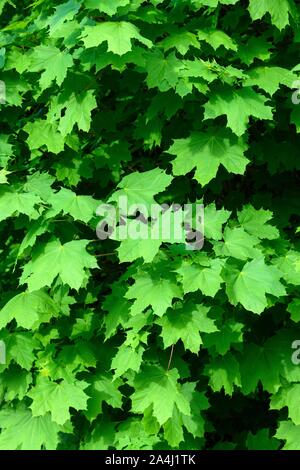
170, 358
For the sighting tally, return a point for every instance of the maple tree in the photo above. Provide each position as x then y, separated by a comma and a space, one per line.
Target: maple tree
143, 343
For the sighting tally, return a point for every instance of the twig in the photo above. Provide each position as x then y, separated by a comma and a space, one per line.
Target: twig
170, 358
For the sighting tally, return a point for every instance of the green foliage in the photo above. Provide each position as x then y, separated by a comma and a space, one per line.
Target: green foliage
142, 343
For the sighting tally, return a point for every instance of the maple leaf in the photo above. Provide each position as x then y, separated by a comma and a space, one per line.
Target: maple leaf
56, 398
288, 397
163, 72
37, 306
79, 207
19, 348
223, 372
102, 390
118, 34
255, 48
154, 291
18, 202
262, 441
222, 341
44, 133
207, 151
127, 358
214, 219
33, 432
290, 433
180, 40
107, 6
256, 223
186, 323
54, 63
78, 110
39, 184
294, 310
140, 188
289, 265
238, 244
217, 38
161, 389
63, 12
14, 383
69, 261
204, 276
267, 363
238, 106
195, 422
270, 78
255, 277
279, 10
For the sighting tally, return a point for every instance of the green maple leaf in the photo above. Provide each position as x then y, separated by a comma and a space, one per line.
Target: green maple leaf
163, 72
33, 432
143, 240
131, 435
79, 207
161, 389
102, 390
255, 48
294, 309
19, 348
180, 40
107, 6
186, 323
69, 261
288, 397
101, 437
195, 422
43, 133
238, 244
29, 309
130, 250
290, 433
238, 106
140, 188
56, 398
63, 12
289, 265
250, 285
127, 358
270, 78
12, 203
78, 109
230, 334
224, 372
214, 219
256, 223
155, 291
173, 432
54, 63
204, 276
207, 151
14, 383
39, 184
270, 362
117, 34
118, 309
258, 364
279, 11
217, 38
262, 441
